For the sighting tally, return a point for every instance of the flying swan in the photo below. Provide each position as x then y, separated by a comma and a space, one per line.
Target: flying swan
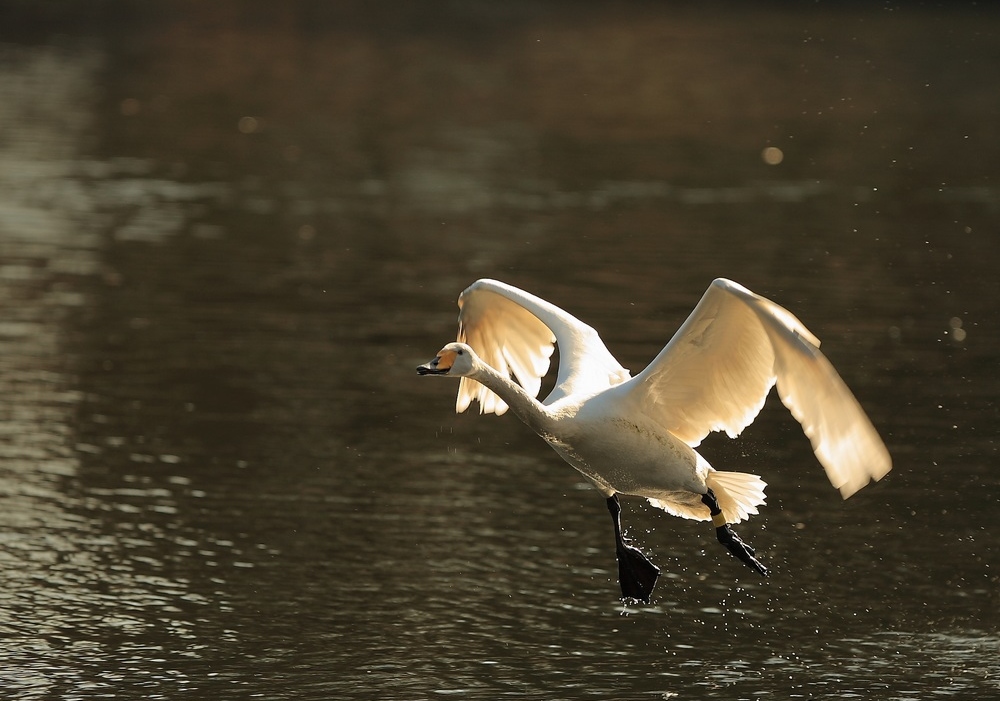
637, 435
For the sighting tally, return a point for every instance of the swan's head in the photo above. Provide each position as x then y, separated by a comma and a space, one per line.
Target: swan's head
455, 360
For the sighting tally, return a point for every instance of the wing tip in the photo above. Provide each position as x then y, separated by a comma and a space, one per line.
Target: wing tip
861, 478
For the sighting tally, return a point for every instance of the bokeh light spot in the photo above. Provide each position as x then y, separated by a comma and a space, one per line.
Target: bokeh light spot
772, 155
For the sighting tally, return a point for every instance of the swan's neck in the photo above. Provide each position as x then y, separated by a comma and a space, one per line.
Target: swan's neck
527, 408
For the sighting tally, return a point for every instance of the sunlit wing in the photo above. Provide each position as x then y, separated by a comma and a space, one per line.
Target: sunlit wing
716, 372
514, 332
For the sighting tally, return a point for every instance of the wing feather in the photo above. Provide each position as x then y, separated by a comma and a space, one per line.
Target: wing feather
842, 436
716, 372
515, 333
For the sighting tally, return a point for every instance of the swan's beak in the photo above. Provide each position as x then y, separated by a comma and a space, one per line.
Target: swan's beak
441, 365
430, 368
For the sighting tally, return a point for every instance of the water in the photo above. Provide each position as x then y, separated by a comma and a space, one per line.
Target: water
229, 234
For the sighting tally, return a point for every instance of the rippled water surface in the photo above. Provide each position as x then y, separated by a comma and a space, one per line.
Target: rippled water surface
230, 231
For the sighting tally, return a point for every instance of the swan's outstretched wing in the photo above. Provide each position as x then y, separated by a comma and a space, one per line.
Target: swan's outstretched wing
715, 374
514, 331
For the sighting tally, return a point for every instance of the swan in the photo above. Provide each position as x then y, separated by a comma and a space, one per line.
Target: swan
637, 436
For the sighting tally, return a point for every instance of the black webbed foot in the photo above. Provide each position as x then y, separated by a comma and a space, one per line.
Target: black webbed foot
727, 536
739, 549
636, 574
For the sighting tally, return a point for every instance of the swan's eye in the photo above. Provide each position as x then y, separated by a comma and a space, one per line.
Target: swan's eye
461, 352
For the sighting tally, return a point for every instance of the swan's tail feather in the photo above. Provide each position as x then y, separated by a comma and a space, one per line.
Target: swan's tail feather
685, 508
739, 494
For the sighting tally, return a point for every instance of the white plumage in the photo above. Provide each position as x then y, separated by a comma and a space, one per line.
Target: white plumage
637, 435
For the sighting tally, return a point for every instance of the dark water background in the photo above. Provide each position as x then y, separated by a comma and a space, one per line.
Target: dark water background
229, 231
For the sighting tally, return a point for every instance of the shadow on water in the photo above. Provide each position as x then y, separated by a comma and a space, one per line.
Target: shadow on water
229, 233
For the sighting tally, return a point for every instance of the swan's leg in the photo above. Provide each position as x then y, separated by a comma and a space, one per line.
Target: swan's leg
636, 574
727, 537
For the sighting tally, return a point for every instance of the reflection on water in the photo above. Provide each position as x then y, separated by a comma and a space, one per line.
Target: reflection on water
88, 593
225, 244
71, 586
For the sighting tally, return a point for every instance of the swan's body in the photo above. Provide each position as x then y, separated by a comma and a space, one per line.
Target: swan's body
637, 435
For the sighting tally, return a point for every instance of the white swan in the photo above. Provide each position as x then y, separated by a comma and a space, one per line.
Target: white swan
636, 435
